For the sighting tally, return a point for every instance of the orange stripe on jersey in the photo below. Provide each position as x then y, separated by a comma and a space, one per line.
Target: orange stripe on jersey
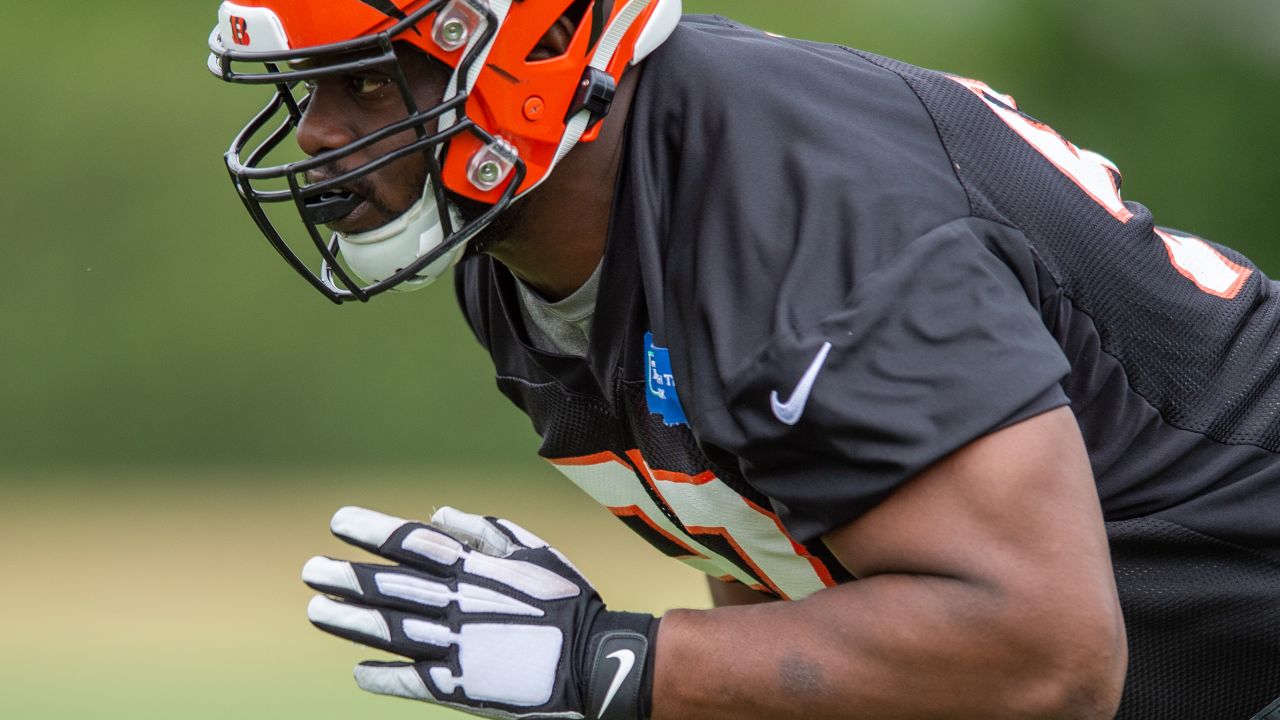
1202, 264
637, 459
742, 554
636, 512
819, 567
649, 474
642, 467
672, 476
597, 459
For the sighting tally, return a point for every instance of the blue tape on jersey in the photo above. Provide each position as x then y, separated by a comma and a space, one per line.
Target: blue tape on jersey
660, 388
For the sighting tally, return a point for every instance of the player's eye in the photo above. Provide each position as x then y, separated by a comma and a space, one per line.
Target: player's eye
368, 85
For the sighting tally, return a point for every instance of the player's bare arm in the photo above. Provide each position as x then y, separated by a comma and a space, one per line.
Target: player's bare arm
984, 591
724, 594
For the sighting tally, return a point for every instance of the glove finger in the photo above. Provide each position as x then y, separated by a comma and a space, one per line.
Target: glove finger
488, 677
407, 680
498, 538
397, 679
489, 535
407, 590
395, 632
405, 541
439, 553
523, 536
478, 532
364, 528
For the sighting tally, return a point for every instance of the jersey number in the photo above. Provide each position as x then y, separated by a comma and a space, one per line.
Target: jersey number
716, 521
1098, 177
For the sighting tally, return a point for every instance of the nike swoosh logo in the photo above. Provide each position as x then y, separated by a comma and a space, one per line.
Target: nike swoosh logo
626, 659
789, 412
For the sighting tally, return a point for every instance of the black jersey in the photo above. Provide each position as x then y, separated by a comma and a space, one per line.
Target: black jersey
828, 270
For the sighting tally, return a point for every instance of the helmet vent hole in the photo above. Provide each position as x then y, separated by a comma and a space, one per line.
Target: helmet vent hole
557, 40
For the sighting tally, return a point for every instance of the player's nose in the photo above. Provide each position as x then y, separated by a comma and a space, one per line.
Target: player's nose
325, 124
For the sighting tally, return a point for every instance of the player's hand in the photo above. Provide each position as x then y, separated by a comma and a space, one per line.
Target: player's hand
494, 621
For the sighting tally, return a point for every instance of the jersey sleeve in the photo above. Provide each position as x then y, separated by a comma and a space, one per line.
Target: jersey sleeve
937, 348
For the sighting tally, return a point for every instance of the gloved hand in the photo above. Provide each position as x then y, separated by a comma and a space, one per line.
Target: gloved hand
495, 621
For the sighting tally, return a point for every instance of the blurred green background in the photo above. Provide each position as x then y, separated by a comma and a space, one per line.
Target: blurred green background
179, 413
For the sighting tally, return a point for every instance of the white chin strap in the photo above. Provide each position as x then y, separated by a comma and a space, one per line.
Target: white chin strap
378, 254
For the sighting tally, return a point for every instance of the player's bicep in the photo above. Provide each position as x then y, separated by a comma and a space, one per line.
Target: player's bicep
1016, 511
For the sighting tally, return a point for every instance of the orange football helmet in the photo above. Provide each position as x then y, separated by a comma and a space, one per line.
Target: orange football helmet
505, 122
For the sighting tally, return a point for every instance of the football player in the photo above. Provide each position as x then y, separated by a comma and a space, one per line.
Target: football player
857, 338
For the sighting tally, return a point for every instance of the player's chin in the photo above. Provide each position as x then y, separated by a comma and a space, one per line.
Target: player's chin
499, 233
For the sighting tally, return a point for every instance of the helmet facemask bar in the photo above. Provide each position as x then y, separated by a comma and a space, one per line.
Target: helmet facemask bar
285, 112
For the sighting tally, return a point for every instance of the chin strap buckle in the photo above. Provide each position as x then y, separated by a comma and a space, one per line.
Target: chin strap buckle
492, 164
457, 23
595, 94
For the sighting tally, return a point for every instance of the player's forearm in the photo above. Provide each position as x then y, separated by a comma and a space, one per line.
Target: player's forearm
892, 646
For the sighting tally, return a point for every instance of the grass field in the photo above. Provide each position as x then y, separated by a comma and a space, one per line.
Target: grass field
178, 597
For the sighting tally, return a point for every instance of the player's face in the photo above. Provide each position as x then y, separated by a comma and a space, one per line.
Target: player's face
344, 108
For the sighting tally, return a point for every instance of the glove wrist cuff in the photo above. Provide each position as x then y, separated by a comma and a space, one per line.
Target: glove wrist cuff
619, 672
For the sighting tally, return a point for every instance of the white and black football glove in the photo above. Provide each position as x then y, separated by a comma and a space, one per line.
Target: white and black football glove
495, 621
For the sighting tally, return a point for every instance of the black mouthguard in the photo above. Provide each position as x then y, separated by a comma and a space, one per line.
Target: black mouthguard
332, 206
